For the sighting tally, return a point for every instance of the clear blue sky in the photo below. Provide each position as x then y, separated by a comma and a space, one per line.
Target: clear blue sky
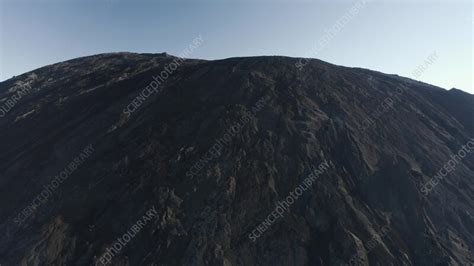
386, 35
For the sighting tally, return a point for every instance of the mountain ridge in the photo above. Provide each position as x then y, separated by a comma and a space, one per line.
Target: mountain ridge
385, 139
238, 57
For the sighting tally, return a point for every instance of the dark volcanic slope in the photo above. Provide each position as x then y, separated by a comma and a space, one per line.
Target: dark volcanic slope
368, 203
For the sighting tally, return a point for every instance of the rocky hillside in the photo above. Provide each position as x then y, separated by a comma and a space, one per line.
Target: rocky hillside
148, 159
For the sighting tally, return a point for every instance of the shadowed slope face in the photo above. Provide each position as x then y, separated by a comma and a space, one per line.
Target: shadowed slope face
244, 161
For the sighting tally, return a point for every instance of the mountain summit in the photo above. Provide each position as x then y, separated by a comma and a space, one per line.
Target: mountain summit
150, 159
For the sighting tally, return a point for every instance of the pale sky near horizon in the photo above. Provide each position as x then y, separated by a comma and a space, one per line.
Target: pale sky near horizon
385, 35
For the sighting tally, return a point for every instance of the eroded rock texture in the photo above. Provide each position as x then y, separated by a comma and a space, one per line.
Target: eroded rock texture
368, 208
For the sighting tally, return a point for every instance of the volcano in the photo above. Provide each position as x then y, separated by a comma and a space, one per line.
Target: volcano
151, 159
